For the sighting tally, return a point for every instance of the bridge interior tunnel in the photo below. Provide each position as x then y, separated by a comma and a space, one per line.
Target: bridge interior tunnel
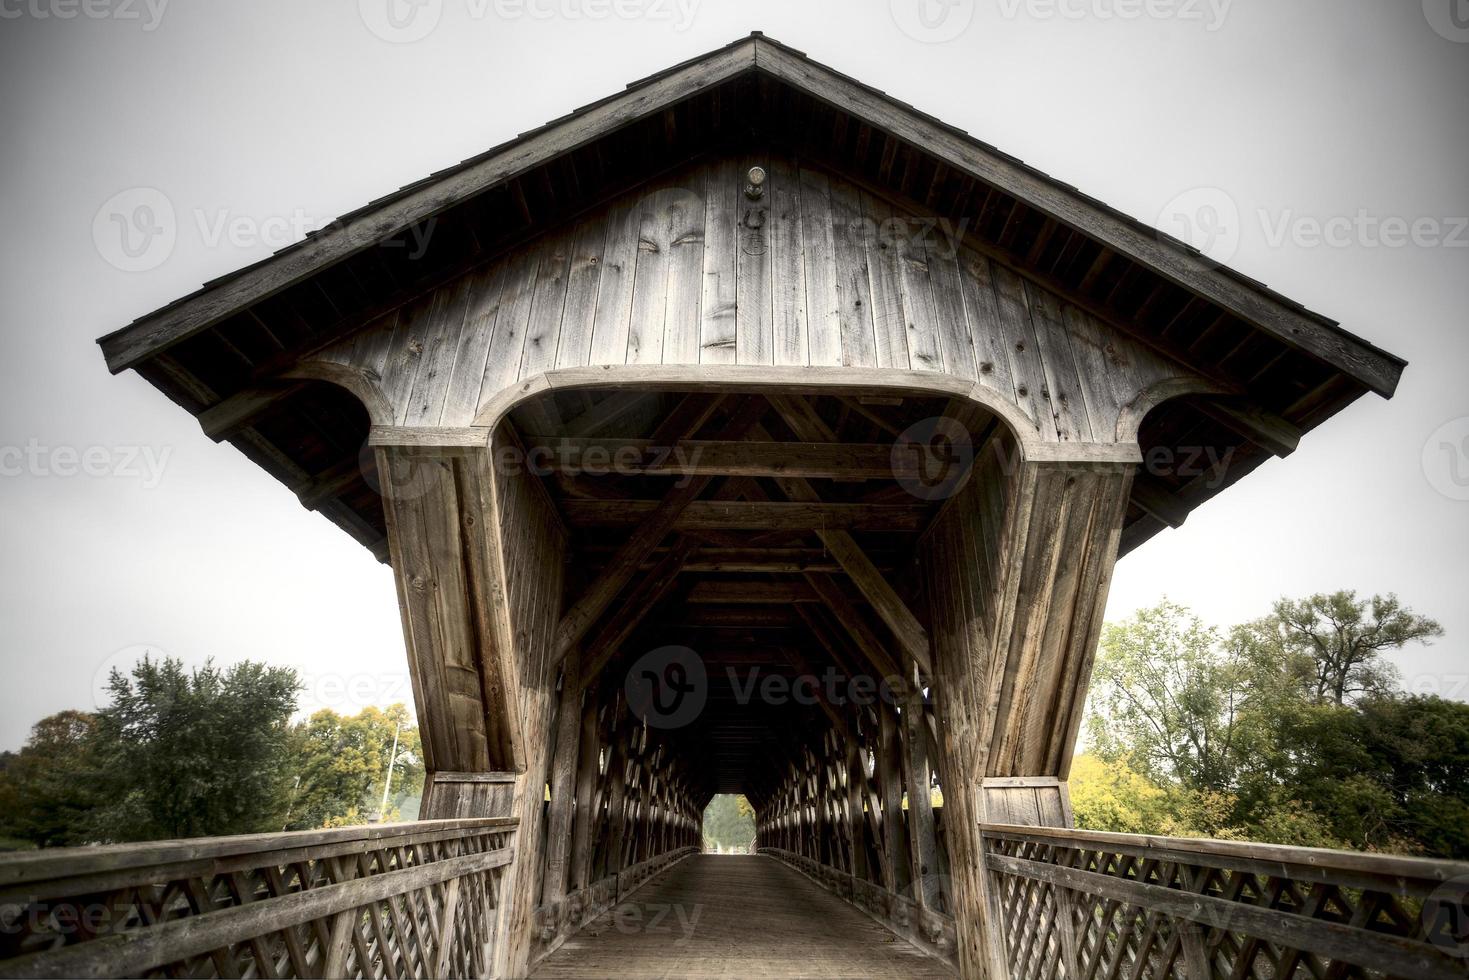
745, 610
870, 610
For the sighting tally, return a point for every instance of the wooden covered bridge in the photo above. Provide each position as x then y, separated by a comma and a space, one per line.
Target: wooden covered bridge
747, 431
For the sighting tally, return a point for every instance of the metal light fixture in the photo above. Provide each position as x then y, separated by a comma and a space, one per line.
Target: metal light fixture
755, 183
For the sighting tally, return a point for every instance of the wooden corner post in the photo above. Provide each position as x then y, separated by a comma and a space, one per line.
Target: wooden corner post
1017, 570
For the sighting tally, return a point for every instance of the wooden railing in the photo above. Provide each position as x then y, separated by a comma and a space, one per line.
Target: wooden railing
394, 900
556, 921
1082, 905
926, 928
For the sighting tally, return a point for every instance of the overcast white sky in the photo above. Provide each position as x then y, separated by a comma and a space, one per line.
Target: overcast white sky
277, 112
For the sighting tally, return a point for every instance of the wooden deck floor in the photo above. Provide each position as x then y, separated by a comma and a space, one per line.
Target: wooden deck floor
736, 916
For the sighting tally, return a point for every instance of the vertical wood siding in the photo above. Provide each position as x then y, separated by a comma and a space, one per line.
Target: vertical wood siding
816, 272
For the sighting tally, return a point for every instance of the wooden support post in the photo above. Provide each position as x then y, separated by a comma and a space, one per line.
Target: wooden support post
618, 767
563, 782
1017, 570
890, 786
922, 844
589, 750
856, 828
463, 673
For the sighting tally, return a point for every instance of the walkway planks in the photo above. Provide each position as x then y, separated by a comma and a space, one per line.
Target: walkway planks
736, 916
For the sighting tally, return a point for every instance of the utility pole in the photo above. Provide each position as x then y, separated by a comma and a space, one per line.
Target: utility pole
382, 810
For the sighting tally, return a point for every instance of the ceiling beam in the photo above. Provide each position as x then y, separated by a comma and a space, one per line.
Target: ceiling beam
648, 592
651, 457
660, 518
890, 607
1241, 416
745, 515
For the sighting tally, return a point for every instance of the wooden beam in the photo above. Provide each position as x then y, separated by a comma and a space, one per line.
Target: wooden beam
657, 520
707, 515
868, 643
890, 607
794, 657
649, 591
1243, 417
713, 591
331, 482
1154, 497
653, 457
240, 410
563, 781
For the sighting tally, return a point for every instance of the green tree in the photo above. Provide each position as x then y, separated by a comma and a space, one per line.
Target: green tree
1289, 730
729, 821
338, 764
48, 790
1167, 697
1112, 795
1334, 644
1389, 773
193, 753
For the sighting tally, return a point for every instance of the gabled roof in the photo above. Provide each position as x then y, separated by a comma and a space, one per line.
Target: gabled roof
1118, 233
226, 352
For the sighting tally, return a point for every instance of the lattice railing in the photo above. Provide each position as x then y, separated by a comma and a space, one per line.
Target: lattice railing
1082, 905
926, 928
556, 921
395, 900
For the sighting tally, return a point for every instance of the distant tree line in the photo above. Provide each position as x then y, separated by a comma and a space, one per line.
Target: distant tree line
729, 821
203, 752
1290, 729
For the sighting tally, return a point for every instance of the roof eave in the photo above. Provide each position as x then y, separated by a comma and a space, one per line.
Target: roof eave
1374, 368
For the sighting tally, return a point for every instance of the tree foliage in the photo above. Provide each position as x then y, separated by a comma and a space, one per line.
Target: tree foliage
729, 821
1288, 729
193, 753
206, 752
48, 789
340, 762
